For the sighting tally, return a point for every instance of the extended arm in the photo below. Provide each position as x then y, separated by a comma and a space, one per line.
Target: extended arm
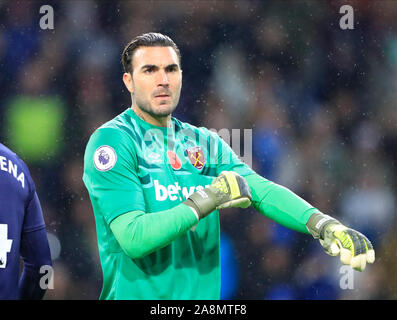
279, 203
285, 207
140, 233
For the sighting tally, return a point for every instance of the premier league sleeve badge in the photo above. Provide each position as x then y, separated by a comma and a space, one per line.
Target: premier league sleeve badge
105, 158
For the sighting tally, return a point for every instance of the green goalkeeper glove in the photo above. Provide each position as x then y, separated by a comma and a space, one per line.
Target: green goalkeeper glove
354, 248
229, 189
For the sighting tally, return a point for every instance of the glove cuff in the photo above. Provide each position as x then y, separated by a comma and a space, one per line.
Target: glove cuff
202, 201
317, 223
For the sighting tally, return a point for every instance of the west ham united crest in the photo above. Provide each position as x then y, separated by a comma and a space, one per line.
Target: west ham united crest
196, 157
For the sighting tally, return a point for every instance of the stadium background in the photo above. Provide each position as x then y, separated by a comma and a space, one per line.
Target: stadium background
320, 101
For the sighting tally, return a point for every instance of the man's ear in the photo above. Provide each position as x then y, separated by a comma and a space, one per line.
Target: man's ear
127, 79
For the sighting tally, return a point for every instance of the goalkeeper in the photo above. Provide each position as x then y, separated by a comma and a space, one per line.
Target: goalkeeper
157, 184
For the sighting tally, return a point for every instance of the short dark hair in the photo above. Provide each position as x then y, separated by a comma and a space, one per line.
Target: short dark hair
151, 39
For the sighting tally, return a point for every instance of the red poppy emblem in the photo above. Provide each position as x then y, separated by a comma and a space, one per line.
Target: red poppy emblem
196, 157
176, 164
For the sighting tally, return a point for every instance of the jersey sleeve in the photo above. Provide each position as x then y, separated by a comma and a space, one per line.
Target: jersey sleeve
35, 252
111, 174
140, 234
227, 160
33, 218
280, 204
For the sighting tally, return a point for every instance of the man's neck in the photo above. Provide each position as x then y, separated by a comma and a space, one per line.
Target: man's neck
156, 121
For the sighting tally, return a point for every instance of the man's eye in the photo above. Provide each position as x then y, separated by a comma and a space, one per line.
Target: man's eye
148, 71
174, 69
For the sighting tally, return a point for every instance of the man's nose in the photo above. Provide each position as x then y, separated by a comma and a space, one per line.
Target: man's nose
162, 78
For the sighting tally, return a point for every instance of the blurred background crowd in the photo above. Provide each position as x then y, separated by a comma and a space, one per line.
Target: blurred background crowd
321, 102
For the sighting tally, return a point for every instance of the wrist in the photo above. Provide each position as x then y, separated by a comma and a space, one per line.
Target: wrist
318, 223
195, 213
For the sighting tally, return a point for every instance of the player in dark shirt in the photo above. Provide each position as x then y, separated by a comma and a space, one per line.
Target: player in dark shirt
22, 231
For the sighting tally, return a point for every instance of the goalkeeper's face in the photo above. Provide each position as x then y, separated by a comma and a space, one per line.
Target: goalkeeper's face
156, 80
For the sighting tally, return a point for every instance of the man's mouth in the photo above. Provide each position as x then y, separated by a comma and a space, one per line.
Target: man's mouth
162, 96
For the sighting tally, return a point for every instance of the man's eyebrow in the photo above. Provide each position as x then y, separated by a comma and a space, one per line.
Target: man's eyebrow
149, 66
172, 66
153, 66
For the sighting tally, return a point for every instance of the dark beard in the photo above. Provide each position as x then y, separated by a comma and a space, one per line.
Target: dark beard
147, 108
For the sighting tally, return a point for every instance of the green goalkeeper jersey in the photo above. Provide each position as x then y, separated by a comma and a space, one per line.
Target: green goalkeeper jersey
131, 165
